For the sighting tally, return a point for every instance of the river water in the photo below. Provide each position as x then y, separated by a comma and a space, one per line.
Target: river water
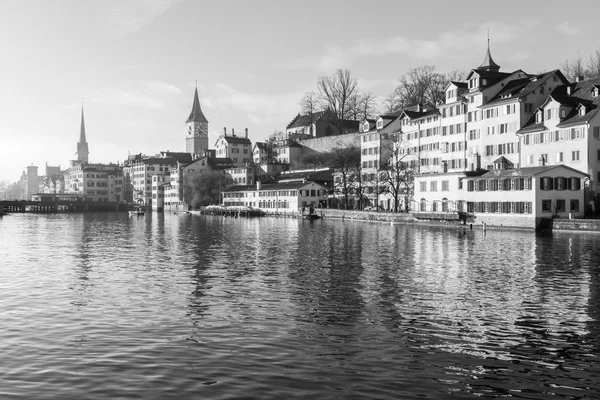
177, 306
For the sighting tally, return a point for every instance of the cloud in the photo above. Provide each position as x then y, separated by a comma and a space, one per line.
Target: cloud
451, 42
565, 29
161, 88
127, 98
129, 16
257, 108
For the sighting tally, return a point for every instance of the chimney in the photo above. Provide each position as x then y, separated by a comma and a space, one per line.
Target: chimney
225, 130
246, 133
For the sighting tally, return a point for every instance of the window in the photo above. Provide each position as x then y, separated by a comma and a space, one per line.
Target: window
445, 186
597, 132
575, 155
574, 206
528, 107
546, 183
560, 206
423, 186
546, 206
433, 186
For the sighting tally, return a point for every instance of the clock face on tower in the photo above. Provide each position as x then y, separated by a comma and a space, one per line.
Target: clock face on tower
203, 129
197, 129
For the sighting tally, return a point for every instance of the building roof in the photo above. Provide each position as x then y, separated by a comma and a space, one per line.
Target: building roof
261, 145
571, 95
520, 88
526, 171
488, 63
305, 120
460, 85
196, 115
235, 139
178, 156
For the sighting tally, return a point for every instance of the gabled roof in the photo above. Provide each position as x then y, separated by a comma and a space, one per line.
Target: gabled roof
235, 139
261, 145
581, 93
459, 85
178, 156
196, 115
305, 120
526, 171
520, 88
532, 126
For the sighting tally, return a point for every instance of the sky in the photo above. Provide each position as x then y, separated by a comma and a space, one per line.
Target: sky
133, 64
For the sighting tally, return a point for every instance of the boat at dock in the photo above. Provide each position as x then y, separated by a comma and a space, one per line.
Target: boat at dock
234, 211
137, 212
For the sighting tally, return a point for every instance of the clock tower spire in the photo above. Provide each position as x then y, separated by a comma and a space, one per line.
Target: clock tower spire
82, 145
196, 140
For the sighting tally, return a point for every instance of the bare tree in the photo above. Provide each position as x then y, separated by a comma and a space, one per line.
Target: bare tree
335, 92
275, 136
396, 175
392, 102
573, 69
353, 109
421, 85
344, 160
593, 65
367, 105
456, 75
309, 105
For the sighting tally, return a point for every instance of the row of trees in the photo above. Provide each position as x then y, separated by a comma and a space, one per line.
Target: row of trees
394, 176
340, 93
588, 67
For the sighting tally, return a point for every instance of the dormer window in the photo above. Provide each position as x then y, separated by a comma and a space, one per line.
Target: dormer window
379, 124
473, 83
366, 126
582, 110
596, 91
539, 117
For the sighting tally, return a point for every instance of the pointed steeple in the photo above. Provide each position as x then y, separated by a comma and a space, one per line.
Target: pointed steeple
488, 63
196, 115
82, 145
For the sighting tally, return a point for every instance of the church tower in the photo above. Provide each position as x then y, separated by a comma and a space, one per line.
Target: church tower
196, 140
82, 145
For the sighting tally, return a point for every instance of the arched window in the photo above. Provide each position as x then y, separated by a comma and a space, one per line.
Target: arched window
423, 205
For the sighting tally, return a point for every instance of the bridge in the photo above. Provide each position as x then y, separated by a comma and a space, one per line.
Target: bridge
57, 205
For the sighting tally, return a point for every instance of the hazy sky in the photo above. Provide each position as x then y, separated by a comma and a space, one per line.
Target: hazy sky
135, 62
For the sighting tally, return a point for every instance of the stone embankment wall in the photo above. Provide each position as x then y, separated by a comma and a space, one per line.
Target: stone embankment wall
576, 225
326, 143
402, 218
